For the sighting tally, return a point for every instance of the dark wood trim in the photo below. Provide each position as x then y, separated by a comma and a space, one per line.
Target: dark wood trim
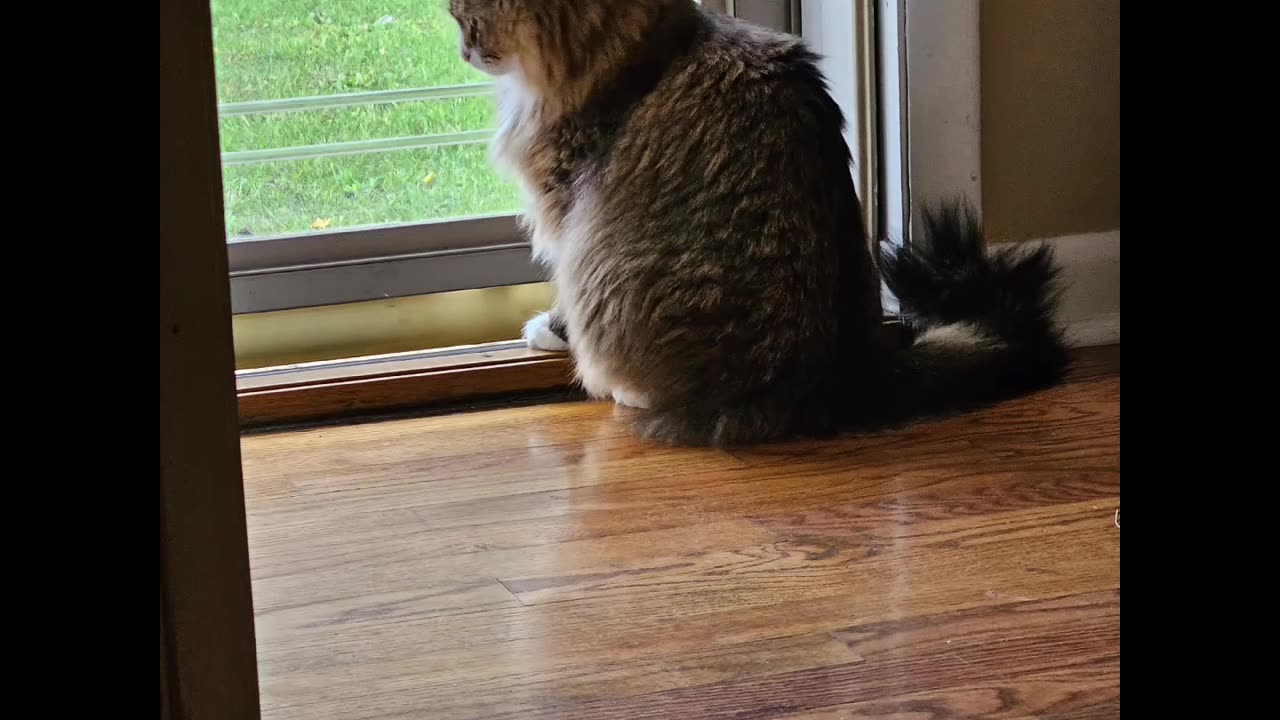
365, 386
401, 391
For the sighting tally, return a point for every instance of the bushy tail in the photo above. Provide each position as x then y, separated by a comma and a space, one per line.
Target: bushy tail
983, 321
984, 332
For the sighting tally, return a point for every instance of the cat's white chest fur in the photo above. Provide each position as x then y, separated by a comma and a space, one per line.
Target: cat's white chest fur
517, 124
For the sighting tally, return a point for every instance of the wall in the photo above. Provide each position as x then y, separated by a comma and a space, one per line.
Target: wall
1050, 117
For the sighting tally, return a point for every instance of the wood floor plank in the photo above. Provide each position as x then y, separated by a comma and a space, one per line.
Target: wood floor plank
321, 570
989, 646
811, 567
873, 577
386, 568
1089, 694
463, 690
539, 562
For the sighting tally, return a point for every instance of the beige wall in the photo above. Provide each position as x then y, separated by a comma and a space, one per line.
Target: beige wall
1050, 117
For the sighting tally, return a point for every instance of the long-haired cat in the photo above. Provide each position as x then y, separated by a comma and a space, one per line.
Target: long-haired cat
688, 186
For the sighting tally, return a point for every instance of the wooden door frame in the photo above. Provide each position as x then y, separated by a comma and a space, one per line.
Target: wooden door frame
207, 646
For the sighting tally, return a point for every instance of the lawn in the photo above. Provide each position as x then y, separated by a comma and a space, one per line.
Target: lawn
274, 49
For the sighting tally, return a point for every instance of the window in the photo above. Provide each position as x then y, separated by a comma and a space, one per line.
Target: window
355, 153
352, 114
355, 141
354, 157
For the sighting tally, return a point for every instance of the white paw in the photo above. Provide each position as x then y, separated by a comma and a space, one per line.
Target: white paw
629, 399
537, 333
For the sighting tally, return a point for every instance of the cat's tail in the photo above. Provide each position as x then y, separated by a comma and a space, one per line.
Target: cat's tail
984, 332
983, 321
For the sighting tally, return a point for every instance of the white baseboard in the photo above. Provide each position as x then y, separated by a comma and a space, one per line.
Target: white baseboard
1090, 307
1094, 331
1089, 310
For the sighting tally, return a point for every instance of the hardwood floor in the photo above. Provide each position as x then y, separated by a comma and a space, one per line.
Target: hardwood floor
540, 563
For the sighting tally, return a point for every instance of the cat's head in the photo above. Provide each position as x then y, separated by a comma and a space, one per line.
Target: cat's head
489, 33
560, 48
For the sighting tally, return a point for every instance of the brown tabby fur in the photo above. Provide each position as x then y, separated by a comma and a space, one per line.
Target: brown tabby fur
688, 187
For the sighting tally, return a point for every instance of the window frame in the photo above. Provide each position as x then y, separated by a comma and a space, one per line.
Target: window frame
908, 75
287, 272
940, 75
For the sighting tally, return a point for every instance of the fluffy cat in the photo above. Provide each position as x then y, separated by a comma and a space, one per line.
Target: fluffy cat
688, 186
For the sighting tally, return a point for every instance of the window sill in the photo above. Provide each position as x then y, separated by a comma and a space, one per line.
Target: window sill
376, 384
401, 381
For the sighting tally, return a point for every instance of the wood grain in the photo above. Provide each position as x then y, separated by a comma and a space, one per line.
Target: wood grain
540, 563
315, 401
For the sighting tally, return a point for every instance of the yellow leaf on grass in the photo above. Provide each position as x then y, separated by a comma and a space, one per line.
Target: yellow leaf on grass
321, 223
430, 178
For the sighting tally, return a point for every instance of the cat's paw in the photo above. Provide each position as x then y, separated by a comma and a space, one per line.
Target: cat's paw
631, 399
539, 335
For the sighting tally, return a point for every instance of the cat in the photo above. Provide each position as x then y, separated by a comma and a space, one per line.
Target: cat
688, 187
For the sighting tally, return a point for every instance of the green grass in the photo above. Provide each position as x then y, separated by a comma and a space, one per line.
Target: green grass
270, 49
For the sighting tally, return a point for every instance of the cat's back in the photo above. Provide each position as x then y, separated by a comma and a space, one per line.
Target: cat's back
739, 66
737, 95
729, 45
